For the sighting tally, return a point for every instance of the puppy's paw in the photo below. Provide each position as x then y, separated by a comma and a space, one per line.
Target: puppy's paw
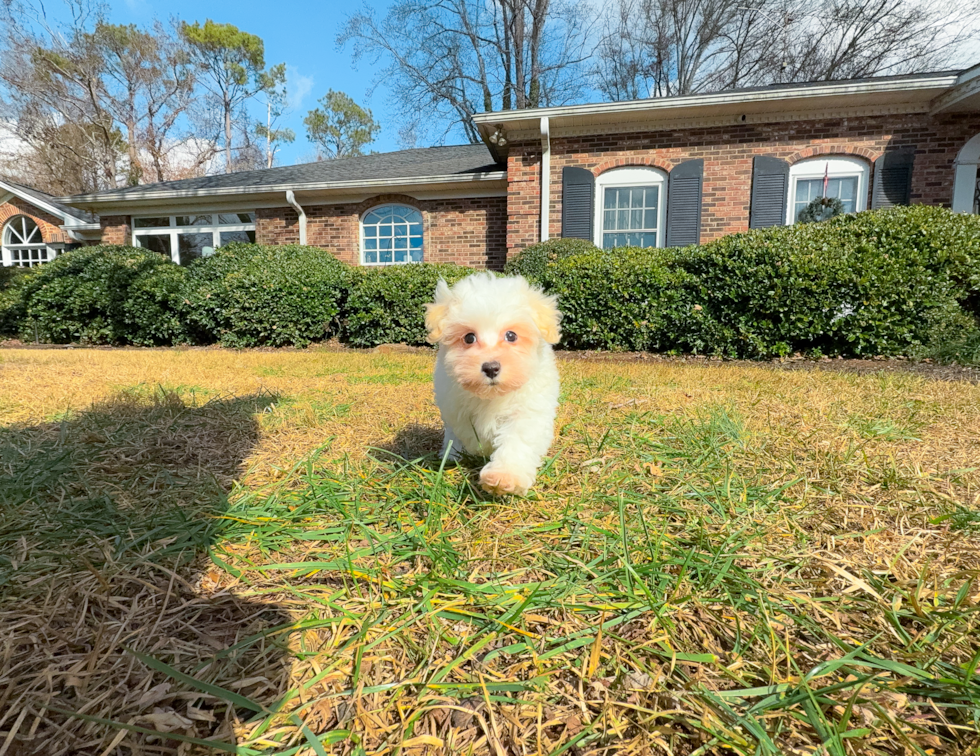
501, 481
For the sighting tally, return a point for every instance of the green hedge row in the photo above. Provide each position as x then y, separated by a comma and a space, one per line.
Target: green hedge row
882, 282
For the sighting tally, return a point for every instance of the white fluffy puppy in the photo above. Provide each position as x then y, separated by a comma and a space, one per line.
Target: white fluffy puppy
496, 380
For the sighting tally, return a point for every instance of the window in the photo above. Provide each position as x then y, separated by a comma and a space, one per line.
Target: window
23, 246
843, 178
184, 238
391, 235
631, 207
966, 178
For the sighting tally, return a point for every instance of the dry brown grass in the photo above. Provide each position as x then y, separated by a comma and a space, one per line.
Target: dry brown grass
720, 558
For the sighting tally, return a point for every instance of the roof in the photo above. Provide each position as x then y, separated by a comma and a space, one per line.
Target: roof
940, 91
47, 202
454, 164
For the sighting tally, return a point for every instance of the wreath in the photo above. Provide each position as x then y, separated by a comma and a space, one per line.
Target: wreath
821, 209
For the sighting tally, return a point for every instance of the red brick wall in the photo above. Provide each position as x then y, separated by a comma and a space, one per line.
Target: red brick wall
468, 231
48, 224
727, 152
115, 229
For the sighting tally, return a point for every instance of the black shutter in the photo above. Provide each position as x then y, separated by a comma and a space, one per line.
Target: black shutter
577, 217
893, 180
684, 203
770, 190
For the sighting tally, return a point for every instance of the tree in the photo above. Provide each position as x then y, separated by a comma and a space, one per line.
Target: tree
232, 64
339, 127
275, 104
658, 48
448, 59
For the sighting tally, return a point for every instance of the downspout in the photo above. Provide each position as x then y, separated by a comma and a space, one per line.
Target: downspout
545, 177
291, 199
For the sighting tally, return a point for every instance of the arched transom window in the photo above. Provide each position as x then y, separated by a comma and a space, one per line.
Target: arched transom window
391, 235
966, 182
23, 245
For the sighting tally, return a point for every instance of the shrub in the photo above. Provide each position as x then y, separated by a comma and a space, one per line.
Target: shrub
874, 283
99, 295
387, 305
532, 261
12, 280
631, 300
248, 295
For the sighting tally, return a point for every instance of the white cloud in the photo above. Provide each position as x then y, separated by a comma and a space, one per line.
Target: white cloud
297, 86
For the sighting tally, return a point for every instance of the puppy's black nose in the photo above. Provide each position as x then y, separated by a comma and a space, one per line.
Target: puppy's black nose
491, 369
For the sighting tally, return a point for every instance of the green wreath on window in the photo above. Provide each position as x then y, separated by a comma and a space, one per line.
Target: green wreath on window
821, 209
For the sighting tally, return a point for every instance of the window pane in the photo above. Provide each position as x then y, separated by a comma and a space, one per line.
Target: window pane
370, 257
193, 220
151, 222
156, 242
227, 237
236, 218
195, 246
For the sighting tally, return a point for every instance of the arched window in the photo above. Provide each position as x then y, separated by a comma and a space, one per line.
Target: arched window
845, 178
23, 246
631, 208
391, 235
966, 186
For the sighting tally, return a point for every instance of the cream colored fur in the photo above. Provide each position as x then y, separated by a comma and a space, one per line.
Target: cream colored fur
509, 417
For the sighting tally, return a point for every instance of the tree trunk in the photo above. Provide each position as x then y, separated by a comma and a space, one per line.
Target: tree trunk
227, 137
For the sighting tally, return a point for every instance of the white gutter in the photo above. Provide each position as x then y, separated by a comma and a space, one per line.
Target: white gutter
291, 199
942, 81
545, 177
154, 194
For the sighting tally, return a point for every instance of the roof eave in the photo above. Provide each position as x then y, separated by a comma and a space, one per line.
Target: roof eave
107, 198
662, 108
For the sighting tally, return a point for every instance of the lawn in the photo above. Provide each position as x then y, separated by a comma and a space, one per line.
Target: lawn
261, 550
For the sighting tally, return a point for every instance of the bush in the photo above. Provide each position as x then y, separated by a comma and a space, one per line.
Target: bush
532, 261
12, 280
631, 300
249, 295
104, 295
387, 305
874, 283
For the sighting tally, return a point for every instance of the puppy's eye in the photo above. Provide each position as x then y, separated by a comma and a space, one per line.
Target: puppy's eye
470, 338
510, 336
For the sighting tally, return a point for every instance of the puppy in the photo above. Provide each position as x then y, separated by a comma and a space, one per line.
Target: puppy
496, 380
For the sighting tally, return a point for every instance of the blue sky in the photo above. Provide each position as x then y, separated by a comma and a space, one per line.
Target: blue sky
301, 34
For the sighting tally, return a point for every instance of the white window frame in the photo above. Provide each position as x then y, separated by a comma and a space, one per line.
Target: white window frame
631, 177
173, 230
966, 179
834, 167
360, 226
6, 249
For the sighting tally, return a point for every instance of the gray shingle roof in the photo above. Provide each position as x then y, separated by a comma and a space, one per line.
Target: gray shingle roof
29, 194
462, 160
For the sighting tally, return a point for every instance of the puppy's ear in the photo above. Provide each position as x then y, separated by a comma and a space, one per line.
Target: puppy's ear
544, 311
437, 311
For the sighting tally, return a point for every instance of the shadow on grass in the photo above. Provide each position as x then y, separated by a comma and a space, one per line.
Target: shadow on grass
110, 610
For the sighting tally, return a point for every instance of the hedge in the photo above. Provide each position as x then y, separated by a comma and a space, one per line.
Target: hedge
883, 282
103, 295
249, 295
532, 262
387, 305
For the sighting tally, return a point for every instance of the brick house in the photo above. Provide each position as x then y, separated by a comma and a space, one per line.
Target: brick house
34, 226
659, 172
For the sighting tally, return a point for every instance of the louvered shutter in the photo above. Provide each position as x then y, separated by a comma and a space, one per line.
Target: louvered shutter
684, 203
893, 180
770, 190
577, 198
